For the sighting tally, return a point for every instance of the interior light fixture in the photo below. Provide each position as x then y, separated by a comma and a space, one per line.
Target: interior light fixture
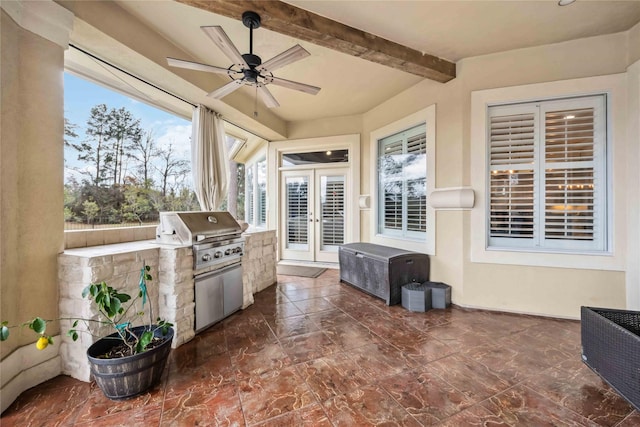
328, 153
569, 116
565, 2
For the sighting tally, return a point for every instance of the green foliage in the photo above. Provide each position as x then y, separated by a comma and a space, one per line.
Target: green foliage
128, 177
90, 210
38, 325
68, 214
112, 305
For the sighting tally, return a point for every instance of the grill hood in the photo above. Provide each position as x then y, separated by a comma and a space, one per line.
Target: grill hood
187, 228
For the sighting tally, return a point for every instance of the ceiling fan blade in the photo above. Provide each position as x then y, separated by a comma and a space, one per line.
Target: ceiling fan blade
196, 66
220, 39
267, 97
226, 89
312, 90
294, 54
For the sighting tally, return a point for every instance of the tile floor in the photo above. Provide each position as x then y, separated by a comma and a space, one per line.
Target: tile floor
315, 352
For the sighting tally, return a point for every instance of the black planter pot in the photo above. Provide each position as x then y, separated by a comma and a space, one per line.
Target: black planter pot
128, 376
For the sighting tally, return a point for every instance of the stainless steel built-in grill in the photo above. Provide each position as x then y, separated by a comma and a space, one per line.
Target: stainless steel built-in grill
215, 236
218, 246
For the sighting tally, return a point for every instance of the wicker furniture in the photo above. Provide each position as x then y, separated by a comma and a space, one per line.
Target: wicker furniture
611, 348
380, 270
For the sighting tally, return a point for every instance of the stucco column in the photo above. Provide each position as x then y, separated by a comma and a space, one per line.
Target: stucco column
633, 175
34, 36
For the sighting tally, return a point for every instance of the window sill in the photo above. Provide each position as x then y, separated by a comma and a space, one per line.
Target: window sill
525, 257
407, 244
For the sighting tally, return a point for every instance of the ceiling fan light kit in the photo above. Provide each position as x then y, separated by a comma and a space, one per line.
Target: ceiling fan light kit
248, 69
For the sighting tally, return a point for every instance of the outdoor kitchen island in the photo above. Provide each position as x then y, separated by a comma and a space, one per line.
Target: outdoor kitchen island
171, 291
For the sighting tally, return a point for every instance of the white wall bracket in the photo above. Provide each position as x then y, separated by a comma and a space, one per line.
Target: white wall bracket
455, 198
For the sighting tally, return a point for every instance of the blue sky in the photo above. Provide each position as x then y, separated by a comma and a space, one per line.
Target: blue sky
81, 95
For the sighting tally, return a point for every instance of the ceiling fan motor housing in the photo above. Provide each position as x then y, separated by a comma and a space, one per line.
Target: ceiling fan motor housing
252, 60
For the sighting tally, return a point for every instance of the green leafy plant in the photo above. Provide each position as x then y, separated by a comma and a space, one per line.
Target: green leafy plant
117, 311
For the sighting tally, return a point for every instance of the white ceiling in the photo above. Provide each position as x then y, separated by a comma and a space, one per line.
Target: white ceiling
450, 29
454, 29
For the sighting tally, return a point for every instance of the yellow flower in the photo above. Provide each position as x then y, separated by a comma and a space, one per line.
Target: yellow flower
42, 343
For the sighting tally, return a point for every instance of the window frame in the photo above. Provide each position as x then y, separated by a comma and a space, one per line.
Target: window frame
614, 86
538, 168
404, 232
426, 116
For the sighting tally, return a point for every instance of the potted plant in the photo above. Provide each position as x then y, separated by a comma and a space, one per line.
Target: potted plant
132, 358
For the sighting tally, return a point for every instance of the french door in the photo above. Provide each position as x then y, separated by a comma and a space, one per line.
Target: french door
314, 213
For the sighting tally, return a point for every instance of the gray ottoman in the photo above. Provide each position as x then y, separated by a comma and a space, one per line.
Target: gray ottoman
440, 294
416, 297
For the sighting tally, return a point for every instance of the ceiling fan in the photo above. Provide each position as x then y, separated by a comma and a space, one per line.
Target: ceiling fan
248, 69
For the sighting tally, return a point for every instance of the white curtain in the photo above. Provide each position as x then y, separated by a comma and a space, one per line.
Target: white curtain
209, 158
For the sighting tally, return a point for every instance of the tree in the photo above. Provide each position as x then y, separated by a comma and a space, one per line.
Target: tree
123, 131
143, 150
91, 151
69, 131
137, 204
90, 210
170, 167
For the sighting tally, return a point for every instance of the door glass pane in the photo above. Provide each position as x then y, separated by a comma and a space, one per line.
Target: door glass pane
297, 203
332, 211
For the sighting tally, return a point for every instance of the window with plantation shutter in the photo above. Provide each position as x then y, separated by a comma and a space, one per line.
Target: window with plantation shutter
261, 212
402, 194
256, 193
249, 202
547, 175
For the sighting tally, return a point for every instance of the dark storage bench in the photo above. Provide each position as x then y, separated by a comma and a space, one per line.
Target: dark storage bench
380, 270
611, 347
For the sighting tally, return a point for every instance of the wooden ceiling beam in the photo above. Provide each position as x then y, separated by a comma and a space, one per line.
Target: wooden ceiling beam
301, 24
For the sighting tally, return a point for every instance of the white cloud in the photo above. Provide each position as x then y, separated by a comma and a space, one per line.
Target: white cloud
177, 135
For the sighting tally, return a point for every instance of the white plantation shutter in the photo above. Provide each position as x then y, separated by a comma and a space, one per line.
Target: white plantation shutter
417, 205
417, 188
250, 189
333, 209
261, 213
417, 143
403, 185
298, 210
262, 204
574, 164
547, 186
511, 159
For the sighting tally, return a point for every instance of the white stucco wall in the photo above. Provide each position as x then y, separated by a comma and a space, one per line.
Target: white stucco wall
520, 288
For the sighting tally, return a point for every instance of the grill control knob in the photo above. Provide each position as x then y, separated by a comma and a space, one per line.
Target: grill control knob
218, 254
227, 252
206, 257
